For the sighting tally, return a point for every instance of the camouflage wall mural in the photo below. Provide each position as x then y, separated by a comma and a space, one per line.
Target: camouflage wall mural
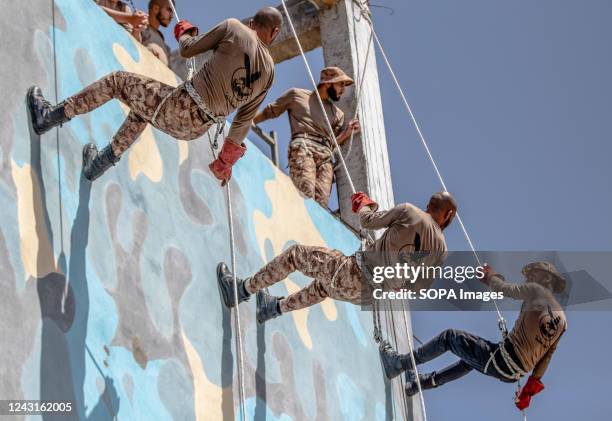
109, 296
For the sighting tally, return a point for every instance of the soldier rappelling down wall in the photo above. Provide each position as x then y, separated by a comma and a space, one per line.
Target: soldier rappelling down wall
528, 347
237, 76
311, 147
338, 276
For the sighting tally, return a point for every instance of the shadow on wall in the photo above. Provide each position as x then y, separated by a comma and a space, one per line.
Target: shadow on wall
64, 307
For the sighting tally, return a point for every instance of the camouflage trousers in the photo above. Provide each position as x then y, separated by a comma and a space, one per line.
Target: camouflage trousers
179, 115
335, 275
311, 169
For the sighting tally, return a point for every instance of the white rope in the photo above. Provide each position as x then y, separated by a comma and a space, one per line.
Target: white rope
329, 125
237, 325
361, 76
343, 163
392, 337
352, 186
191, 64
237, 307
414, 364
500, 318
59, 172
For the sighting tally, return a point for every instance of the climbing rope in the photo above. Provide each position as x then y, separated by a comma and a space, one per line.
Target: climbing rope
361, 77
237, 326
392, 334
500, 319
62, 256
342, 161
412, 359
329, 125
501, 322
191, 64
237, 311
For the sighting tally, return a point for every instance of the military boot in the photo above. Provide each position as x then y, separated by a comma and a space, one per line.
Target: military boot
226, 284
44, 116
427, 381
392, 362
95, 162
268, 306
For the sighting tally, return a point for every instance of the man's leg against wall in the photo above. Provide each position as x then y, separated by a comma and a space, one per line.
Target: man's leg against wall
336, 276
140, 93
302, 169
95, 162
127, 134
438, 378
312, 261
313, 294
325, 178
471, 349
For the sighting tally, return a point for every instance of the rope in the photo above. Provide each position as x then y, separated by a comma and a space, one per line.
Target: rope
390, 320
414, 364
191, 64
518, 387
329, 125
342, 161
237, 308
358, 96
62, 256
237, 326
501, 322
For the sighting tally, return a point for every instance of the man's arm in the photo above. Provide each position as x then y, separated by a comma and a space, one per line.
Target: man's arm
244, 118
275, 108
190, 45
542, 365
517, 291
376, 220
534, 385
353, 127
137, 20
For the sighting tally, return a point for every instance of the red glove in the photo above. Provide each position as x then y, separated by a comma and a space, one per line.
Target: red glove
229, 155
360, 199
182, 27
531, 388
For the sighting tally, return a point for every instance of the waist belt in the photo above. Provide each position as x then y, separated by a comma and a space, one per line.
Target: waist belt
201, 104
196, 98
313, 138
516, 372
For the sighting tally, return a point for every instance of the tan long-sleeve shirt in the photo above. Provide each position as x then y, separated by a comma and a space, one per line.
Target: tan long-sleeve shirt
305, 114
237, 76
540, 324
408, 230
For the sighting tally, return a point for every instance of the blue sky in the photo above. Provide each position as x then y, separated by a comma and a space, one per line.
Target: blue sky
515, 100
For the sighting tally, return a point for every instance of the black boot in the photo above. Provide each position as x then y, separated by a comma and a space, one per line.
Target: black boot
44, 116
427, 381
96, 163
226, 284
268, 306
392, 362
